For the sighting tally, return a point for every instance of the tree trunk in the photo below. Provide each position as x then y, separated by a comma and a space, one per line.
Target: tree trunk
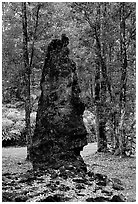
101, 81
27, 75
27, 78
122, 99
97, 104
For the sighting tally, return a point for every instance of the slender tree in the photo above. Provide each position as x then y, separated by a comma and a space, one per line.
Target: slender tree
26, 77
103, 82
27, 67
123, 83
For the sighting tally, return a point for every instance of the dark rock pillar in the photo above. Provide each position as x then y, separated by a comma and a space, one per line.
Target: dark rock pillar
59, 134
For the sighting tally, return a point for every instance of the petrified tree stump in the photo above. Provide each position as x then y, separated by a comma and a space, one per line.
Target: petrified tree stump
59, 134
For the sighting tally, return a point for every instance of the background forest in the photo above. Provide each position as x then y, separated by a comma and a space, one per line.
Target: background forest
102, 43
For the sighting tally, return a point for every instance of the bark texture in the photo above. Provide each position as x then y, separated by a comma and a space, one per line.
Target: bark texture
60, 134
26, 78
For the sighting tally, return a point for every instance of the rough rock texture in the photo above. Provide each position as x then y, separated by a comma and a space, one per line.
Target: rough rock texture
60, 133
54, 187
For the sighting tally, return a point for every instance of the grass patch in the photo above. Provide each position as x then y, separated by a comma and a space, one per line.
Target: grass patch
116, 167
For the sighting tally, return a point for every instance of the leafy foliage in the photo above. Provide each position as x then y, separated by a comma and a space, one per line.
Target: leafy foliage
13, 126
77, 20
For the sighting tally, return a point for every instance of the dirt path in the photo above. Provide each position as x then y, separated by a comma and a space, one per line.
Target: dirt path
14, 152
89, 149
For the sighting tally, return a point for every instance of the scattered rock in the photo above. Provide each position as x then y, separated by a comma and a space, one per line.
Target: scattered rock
17, 187
101, 183
40, 178
97, 199
21, 198
8, 196
118, 198
63, 175
55, 198
100, 177
91, 179
116, 180
63, 187
90, 174
80, 186
52, 186
101, 199
19, 163
79, 180
80, 194
27, 179
90, 199
117, 186
25, 192
109, 193
57, 182
62, 169
41, 188
97, 188
6, 174
54, 175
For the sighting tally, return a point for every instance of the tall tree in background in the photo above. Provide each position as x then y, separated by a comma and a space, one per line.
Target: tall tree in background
123, 83
27, 69
102, 83
26, 77
124, 19
110, 25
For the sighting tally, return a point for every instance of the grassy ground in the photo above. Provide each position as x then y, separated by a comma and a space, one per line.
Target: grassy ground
13, 162
116, 167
